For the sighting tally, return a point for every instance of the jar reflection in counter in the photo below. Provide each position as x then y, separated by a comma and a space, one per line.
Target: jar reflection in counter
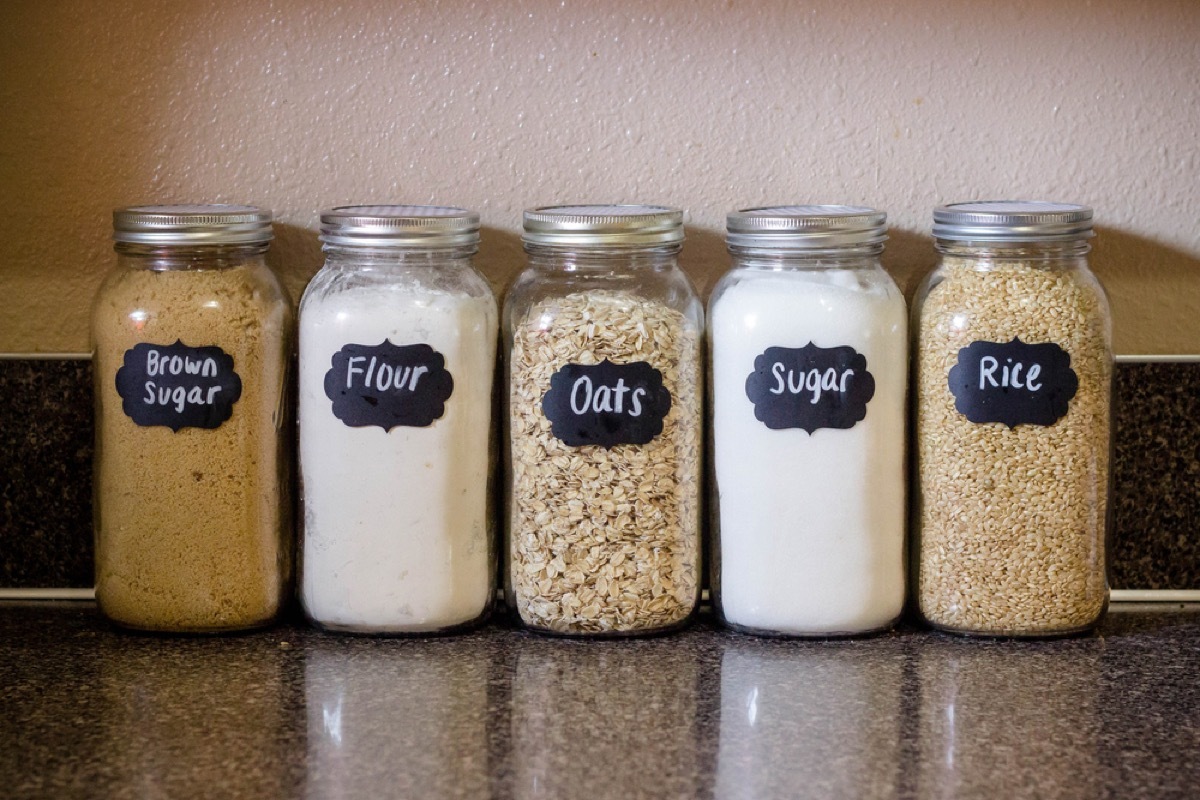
1000, 720
608, 722
397, 719
185, 718
822, 721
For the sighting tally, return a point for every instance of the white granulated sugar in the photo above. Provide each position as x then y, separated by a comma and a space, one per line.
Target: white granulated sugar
811, 526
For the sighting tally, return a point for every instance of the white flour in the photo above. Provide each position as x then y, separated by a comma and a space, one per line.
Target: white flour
397, 523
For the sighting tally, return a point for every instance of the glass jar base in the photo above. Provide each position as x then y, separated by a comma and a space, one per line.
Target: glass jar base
1062, 633
398, 632
151, 630
643, 633
768, 633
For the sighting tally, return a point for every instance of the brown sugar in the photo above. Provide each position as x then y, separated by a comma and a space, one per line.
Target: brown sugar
193, 526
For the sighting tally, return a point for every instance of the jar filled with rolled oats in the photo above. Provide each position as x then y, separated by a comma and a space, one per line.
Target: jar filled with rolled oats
604, 403
1013, 393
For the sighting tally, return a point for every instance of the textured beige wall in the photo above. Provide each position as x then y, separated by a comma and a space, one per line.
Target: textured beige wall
501, 105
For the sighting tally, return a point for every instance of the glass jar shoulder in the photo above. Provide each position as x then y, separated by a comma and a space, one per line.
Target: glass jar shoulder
964, 295
865, 277
131, 283
798, 294
1022, 270
340, 283
555, 297
145, 303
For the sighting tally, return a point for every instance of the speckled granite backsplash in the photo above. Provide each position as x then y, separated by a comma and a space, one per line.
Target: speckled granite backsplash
1155, 542
46, 449
46, 464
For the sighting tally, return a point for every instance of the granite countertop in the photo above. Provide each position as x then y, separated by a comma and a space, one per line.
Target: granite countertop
291, 712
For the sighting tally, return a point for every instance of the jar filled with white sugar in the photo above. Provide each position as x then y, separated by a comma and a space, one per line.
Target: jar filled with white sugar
1013, 388
809, 367
397, 353
604, 420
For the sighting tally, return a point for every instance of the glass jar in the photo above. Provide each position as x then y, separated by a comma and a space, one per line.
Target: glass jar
192, 337
603, 333
808, 338
1013, 388
397, 356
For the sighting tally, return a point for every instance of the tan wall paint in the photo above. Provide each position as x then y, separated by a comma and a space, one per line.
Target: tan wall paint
500, 105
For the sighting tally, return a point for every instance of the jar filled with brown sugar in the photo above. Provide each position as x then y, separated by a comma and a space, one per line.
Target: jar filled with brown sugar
1013, 440
605, 392
192, 338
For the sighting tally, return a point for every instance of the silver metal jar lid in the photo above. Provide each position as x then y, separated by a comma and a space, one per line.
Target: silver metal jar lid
600, 225
192, 224
400, 226
814, 227
1012, 221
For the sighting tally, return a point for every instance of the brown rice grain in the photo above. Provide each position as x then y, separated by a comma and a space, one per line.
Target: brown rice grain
1011, 521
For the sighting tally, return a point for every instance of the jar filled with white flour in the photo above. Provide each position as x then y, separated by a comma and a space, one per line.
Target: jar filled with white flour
809, 362
397, 354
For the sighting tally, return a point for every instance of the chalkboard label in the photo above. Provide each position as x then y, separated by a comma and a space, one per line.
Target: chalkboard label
606, 404
810, 387
1013, 382
177, 386
388, 386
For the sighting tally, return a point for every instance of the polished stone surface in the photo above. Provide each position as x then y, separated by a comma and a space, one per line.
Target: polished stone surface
291, 712
1156, 499
45, 473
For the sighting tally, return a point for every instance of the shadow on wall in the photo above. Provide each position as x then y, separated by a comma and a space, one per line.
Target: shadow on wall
704, 258
909, 257
501, 258
1145, 280
295, 256
1154, 289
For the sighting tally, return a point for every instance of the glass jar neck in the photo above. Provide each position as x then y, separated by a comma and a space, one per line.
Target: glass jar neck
382, 258
1044, 255
161, 257
602, 259
831, 258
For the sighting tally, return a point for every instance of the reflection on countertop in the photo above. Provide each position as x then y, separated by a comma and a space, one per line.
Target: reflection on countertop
498, 713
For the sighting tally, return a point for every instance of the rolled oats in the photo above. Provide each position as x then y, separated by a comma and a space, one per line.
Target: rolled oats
604, 539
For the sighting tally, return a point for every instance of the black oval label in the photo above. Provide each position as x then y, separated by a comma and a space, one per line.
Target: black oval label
810, 387
606, 404
388, 386
1013, 382
177, 386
